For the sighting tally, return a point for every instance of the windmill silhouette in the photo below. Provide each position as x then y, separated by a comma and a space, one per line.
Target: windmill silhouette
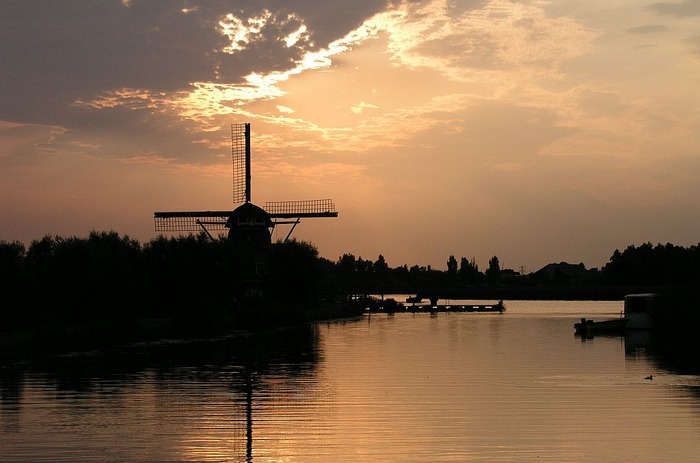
249, 225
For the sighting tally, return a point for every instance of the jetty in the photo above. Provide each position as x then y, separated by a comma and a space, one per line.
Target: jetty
496, 307
415, 304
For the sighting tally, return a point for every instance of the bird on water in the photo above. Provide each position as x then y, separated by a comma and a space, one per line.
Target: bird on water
650, 377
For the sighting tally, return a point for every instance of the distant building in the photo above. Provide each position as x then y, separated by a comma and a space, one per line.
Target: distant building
562, 273
510, 276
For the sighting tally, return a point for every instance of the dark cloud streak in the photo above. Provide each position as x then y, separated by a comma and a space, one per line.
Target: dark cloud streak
58, 51
684, 9
694, 43
331, 20
647, 29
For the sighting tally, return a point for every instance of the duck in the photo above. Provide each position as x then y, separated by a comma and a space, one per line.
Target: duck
650, 377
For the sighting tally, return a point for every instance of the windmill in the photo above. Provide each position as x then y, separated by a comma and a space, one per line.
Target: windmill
249, 225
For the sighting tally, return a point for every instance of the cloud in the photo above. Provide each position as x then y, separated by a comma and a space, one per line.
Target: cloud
284, 109
684, 9
647, 29
361, 106
694, 42
136, 70
496, 37
56, 52
227, 62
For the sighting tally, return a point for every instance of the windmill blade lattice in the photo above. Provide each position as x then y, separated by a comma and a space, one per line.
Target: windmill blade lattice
301, 209
240, 158
190, 221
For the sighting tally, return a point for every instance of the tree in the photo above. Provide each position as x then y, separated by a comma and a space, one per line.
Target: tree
12, 282
346, 265
380, 266
293, 272
452, 276
660, 264
469, 271
452, 267
493, 273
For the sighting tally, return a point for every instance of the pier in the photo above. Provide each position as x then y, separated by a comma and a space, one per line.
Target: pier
415, 304
496, 307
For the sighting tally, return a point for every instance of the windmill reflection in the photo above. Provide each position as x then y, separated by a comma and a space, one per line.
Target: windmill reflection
283, 359
214, 384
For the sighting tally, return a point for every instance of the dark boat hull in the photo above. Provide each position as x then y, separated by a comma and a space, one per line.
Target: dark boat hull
613, 326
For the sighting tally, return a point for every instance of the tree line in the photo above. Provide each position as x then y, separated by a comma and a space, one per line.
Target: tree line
193, 278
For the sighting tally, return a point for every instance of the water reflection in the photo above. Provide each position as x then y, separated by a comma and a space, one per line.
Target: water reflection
674, 355
675, 361
130, 389
11, 381
406, 387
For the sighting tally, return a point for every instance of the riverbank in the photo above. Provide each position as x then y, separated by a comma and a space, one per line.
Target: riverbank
63, 336
676, 323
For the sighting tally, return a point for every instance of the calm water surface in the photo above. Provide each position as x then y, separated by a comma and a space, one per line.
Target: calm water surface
449, 387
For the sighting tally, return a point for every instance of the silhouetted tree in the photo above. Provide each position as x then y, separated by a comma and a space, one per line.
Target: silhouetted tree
469, 271
493, 273
660, 264
12, 282
188, 274
346, 264
452, 267
75, 279
381, 280
293, 273
381, 268
346, 269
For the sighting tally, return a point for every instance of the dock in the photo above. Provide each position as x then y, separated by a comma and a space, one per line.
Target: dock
496, 307
415, 306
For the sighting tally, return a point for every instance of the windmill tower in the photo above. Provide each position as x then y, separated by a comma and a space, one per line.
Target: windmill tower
249, 226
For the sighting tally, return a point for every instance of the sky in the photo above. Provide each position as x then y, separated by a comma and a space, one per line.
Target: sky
535, 131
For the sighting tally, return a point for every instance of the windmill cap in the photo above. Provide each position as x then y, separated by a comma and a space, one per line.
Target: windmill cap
249, 213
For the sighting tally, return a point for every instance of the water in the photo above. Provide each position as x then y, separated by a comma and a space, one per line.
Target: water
450, 387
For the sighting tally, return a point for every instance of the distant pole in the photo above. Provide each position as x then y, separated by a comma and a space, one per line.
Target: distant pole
247, 162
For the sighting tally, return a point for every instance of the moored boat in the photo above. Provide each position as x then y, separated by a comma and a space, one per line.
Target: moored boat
639, 310
636, 315
589, 327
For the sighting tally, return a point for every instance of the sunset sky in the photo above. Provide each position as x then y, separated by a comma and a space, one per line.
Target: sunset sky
537, 131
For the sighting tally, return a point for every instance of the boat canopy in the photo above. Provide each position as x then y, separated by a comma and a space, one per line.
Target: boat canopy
640, 302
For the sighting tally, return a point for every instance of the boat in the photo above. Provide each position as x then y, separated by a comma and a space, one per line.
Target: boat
637, 315
639, 310
588, 327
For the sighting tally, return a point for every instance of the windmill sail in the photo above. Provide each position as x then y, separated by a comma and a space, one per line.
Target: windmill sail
300, 209
190, 221
240, 156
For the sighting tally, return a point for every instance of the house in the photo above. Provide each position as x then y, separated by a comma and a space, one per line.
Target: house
562, 273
